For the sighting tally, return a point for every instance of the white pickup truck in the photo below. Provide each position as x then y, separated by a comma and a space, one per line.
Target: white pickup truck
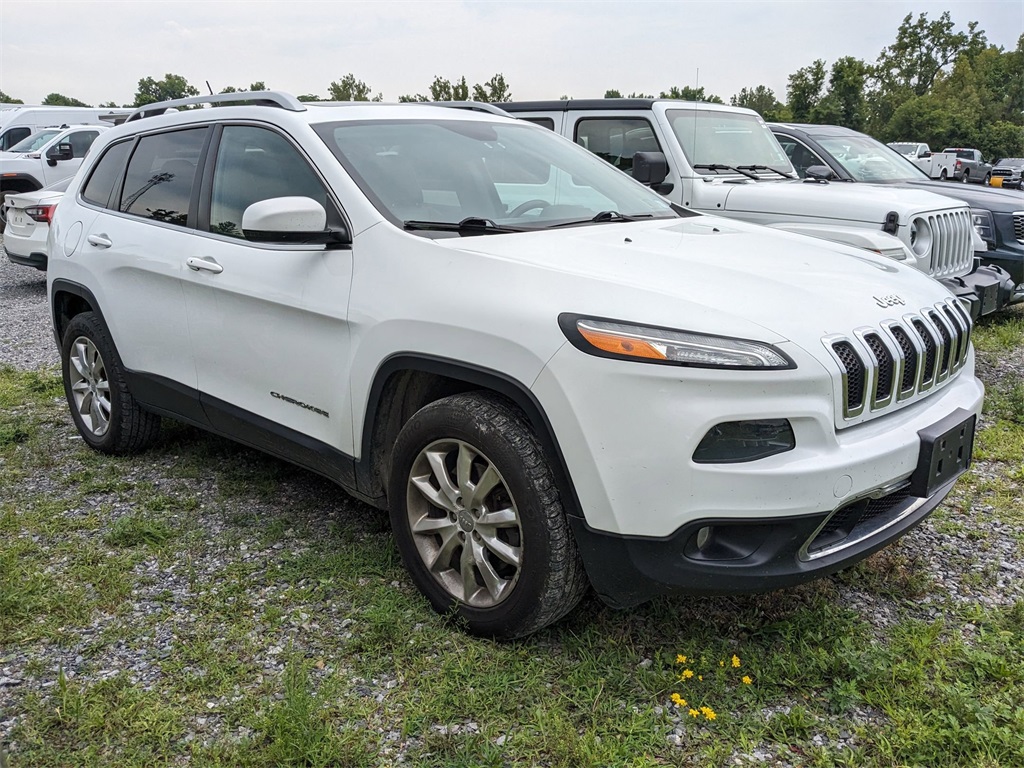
724, 160
938, 165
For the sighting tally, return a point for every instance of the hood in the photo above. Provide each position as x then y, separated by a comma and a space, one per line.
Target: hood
709, 274
975, 195
798, 200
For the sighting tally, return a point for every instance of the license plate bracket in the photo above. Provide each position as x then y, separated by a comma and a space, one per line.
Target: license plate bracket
946, 450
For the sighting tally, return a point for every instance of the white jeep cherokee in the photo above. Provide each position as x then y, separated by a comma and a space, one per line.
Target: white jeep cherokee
548, 373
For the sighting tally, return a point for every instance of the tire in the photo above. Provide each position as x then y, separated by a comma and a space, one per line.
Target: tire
988, 179
107, 416
943, 176
966, 178
478, 519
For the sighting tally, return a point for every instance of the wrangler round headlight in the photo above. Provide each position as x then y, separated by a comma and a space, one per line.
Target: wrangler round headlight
920, 237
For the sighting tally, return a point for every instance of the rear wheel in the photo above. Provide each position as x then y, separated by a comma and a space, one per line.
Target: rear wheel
988, 178
107, 416
966, 177
478, 518
943, 176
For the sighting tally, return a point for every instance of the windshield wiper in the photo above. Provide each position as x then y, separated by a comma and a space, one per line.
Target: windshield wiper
719, 167
783, 174
602, 218
471, 225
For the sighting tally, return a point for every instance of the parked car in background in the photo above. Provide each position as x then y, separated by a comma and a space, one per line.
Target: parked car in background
45, 157
723, 159
937, 165
27, 217
18, 121
546, 371
997, 215
1006, 172
970, 166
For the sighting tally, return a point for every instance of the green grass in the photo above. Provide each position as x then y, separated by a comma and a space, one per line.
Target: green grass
288, 634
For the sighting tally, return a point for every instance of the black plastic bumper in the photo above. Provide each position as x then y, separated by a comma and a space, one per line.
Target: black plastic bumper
37, 260
988, 288
749, 555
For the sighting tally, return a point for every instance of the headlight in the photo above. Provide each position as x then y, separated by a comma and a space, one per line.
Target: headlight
983, 225
640, 343
920, 237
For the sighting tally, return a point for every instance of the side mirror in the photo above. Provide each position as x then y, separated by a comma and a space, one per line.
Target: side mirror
819, 173
298, 220
59, 152
926, 153
650, 168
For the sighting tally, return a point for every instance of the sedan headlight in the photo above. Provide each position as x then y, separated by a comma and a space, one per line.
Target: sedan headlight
646, 344
983, 224
920, 237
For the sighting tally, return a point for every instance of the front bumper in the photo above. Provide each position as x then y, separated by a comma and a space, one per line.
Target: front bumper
987, 289
751, 555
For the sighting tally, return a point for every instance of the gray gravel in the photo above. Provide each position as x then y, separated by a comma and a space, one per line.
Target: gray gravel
980, 563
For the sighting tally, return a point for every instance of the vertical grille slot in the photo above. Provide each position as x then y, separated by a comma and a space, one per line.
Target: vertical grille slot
1018, 227
854, 376
959, 345
884, 366
910, 360
944, 355
928, 376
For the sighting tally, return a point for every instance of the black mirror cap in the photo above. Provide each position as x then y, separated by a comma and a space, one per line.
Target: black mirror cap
650, 168
59, 152
338, 237
819, 173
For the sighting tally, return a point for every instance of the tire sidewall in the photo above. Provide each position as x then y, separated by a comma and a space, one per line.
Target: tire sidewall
89, 326
425, 427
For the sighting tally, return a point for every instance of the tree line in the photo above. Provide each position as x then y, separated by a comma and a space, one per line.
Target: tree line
933, 83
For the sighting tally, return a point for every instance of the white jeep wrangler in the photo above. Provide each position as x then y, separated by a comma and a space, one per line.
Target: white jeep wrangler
724, 160
550, 375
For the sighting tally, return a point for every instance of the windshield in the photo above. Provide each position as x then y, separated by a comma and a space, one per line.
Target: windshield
496, 176
868, 160
904, 149
1014, 161
33, 142
739, 140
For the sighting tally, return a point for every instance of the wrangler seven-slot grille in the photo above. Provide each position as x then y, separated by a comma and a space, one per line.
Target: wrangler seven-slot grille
952, 250
900, 359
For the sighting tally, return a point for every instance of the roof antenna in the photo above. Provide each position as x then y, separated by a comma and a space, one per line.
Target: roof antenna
209, 88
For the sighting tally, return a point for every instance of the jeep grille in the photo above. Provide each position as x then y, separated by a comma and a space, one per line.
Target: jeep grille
952, 246
900, 360
1018, 226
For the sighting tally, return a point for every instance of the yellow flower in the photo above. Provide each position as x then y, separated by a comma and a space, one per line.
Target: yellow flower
735, 660
680, 659
709, 713
746, 680
721, 663
694, 713
678, 700
687, 674
700, 677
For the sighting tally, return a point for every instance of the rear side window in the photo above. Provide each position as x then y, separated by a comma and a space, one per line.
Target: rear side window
106, 174
617, 139
544, 122
161, 172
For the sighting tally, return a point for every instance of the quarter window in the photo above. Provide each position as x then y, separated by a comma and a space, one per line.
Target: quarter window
617, 140
255, 164
106, 174
160, 176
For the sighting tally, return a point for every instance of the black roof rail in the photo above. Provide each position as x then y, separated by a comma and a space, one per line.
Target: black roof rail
261, 98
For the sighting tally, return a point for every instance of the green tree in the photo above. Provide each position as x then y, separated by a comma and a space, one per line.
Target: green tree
761, 99
494, 90
804, 90
171, 87
412, 99
350, 89
844, 104
109, 105
612, 94
5, 99
688, 93
308, 97
60, 100
443, 89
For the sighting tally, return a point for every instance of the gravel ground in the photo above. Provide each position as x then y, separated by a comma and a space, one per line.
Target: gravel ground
982, 563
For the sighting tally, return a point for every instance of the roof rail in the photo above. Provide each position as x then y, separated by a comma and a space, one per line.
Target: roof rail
261, 98
475, 106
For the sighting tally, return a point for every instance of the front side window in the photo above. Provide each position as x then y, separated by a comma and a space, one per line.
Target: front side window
799, 155
507, 174
105, 174
713, 137
255, 164
617, 139
80, 142
161, 172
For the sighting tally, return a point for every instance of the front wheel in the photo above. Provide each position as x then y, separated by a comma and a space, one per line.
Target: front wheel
107, 416
478, 518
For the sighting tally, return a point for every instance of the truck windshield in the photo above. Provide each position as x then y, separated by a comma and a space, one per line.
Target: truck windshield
904, 149
437, 176
711, 138
33, 142
868, 160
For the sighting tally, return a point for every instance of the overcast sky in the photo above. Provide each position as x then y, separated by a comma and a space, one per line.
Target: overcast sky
96, 51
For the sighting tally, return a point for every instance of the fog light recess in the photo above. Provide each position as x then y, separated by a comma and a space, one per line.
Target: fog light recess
732, 442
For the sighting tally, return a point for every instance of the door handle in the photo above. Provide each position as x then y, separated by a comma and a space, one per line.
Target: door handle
208, 265
100, 241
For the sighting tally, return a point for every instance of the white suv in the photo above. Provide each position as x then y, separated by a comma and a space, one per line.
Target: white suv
549, 374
